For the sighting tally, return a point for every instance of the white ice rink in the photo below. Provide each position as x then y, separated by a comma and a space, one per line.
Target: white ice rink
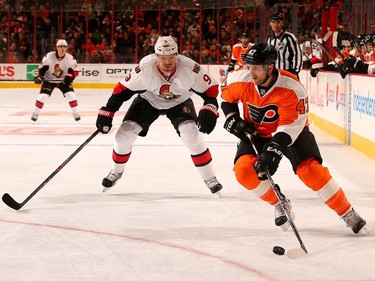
160, 222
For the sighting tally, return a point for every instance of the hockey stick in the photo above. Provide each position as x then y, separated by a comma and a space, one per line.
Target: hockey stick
7, 199
316, 42
295, 252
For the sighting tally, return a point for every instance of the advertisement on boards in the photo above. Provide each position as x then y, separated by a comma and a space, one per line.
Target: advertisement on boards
362, 106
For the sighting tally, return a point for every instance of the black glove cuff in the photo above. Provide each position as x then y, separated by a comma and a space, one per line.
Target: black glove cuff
212, 101
282, 139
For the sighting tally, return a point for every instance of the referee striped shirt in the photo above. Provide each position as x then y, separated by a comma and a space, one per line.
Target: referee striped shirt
289, 55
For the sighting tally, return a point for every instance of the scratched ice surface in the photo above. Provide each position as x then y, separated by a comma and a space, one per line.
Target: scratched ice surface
160, 222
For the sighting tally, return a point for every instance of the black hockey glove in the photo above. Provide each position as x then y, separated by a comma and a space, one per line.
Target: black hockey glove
207, 118
355, 65
269, 159
104, 120
68, 79
291, 70
230, 67
307, 64
239, 127
38, 80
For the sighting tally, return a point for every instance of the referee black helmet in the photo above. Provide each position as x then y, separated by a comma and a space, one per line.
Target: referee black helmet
277, 16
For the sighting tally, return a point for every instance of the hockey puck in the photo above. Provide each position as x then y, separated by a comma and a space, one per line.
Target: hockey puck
278, 250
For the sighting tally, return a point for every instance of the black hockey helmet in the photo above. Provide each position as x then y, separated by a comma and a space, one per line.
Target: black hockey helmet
261, 53
244, 35
277, 16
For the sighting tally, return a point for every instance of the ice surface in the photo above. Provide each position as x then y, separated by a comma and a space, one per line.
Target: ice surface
160, 222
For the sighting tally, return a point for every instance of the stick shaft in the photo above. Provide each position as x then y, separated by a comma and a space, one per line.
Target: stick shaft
279, 198
13, 204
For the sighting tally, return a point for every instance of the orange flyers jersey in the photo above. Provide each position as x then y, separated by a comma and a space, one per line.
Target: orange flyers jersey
282, 108
238, 49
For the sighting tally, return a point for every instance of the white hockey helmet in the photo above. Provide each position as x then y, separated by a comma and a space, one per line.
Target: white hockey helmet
61, 42
166, 45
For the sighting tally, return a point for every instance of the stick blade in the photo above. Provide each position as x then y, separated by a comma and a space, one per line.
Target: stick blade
296, 253
7, 199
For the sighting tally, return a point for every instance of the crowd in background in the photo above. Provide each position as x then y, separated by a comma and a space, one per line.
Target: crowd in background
205, 34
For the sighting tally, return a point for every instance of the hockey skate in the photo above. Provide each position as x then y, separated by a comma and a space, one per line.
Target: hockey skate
76, 117
110, 180
281, 218
355, 222
214, 186
34, 117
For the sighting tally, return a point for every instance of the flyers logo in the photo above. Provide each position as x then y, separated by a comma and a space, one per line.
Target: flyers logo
165, 93
267, 114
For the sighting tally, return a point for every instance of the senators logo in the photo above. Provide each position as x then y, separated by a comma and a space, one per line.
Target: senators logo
58, 72
165, 93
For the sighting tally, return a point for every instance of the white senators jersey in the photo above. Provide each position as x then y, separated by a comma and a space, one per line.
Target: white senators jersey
57, 67
166, 92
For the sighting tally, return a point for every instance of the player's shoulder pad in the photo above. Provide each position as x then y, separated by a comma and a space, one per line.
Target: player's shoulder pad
237, 45
145, 64
188, 64
283, 72
239, 75
290, 81
50, 54
147, 60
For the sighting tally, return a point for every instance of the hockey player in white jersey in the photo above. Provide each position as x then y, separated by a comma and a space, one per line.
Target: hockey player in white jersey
57, 70
164, 83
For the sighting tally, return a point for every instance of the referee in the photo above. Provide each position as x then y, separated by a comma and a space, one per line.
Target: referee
286, 43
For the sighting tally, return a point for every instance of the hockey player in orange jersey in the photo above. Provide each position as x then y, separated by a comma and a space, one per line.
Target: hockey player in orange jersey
239, 49
275, 109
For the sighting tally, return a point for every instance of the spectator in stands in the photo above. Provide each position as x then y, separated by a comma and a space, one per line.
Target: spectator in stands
24, 46
88, 48
372, 29
14, 54
29, 59
194, 28
3, 47
211, 34
225, 54
96, 56
108, 55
